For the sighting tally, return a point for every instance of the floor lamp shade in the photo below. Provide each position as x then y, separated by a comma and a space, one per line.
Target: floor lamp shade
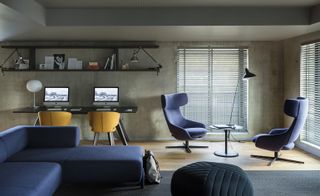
248, 74
34, 86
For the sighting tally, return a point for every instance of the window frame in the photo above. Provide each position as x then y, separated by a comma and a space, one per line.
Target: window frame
306, 87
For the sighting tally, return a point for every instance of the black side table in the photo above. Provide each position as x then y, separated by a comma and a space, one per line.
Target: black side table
227, 129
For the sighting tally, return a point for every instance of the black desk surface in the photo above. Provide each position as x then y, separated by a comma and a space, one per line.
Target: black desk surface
79, 109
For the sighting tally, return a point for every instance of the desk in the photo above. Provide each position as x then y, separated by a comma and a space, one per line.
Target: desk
84, 110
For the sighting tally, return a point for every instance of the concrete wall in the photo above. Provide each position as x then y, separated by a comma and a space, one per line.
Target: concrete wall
292, 65
144, 89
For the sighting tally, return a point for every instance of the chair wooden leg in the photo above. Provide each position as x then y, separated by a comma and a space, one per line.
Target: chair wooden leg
95, 138
111, 138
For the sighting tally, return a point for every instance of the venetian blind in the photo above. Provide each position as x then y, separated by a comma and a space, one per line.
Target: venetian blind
310, 88
210, 77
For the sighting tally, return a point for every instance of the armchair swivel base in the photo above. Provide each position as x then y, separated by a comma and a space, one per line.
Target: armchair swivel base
187, 147
276, 157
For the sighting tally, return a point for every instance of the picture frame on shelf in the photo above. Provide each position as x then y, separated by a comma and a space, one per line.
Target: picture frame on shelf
59, 61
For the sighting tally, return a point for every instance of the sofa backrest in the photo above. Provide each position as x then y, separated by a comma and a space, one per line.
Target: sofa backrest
11, 141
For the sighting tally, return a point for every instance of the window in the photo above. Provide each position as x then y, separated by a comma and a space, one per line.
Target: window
210, 77
310, 88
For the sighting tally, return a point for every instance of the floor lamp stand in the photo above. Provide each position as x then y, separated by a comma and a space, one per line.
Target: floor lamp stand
34, 100
233, 102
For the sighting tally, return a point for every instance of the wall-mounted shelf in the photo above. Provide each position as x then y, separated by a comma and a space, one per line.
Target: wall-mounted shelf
79, 70
114, 45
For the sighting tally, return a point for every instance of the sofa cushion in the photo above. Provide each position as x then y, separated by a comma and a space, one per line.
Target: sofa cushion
14, 139
104, 164
41, 155
29, 179
3, 152
90, 164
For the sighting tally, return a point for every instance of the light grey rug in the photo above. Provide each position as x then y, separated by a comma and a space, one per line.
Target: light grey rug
285, 183
266, 183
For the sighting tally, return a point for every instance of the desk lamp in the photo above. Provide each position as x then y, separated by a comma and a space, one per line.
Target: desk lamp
246, 76
34, 86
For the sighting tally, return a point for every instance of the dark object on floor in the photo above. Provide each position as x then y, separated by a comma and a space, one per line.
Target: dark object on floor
151, 168
211, 179
284, 138
34, 160
181, 128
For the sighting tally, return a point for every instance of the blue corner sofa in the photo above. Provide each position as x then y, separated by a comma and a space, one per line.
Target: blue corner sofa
35, 160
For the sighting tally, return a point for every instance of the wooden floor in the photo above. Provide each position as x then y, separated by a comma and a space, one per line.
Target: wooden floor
172, 159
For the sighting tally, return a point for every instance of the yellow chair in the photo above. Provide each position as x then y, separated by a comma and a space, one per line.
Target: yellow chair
103, 122
50, 118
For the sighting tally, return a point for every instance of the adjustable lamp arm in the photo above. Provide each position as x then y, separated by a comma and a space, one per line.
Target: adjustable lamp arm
154, 60
135, 59
4, 62
10, 55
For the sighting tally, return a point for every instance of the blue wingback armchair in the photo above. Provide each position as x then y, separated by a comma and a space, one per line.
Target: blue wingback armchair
284, 138
180, 127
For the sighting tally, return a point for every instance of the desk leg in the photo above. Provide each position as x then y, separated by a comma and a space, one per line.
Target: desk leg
122, 133
226, 153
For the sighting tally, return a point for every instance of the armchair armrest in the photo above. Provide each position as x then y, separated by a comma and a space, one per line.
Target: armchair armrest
277, 131
179, 132
191, 124
53, 137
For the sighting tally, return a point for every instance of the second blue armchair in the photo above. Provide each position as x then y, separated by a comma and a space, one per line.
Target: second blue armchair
284, 138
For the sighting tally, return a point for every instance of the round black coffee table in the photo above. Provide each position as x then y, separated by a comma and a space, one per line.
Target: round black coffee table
227, 129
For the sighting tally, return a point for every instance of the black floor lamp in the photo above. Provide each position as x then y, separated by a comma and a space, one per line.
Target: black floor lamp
246, 76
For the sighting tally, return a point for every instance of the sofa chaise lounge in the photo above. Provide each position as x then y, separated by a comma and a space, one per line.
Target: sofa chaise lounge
35, 160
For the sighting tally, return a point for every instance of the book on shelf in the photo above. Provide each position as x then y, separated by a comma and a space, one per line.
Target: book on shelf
106, 65
74, 64
112, 61
48, 62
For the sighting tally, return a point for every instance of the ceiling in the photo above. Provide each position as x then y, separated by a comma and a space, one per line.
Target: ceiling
57, 20
181, 33
171, 3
